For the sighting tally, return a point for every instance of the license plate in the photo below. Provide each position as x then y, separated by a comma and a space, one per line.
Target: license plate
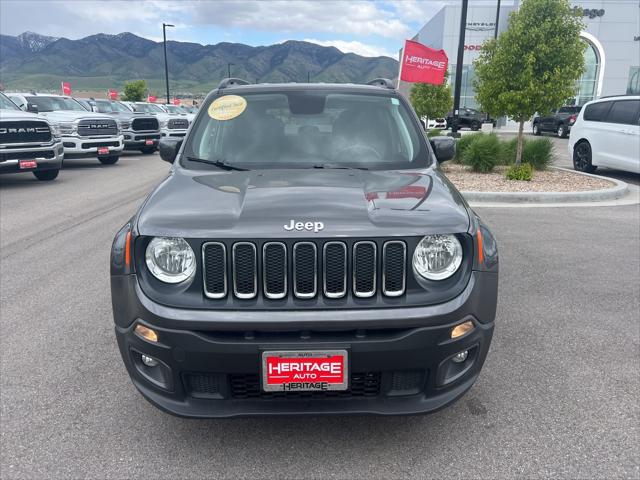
296, 371
148, 142
27, 164
103, 150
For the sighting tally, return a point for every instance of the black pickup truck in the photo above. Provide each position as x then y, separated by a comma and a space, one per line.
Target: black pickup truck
559, 121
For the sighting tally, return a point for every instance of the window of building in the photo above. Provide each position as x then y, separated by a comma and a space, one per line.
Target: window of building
633, 85
588, 83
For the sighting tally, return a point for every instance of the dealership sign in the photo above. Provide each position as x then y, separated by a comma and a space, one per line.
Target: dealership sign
590, 12
421, 64
112, 94
66, 88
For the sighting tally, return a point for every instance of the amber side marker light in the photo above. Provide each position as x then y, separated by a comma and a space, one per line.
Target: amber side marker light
480, 247
462, 329
147, 333
127, 250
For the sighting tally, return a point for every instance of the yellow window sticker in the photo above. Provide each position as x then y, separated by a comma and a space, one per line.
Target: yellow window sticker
227, 107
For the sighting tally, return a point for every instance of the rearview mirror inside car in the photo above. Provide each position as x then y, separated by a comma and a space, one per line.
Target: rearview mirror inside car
169, 148
32, 107
443, 147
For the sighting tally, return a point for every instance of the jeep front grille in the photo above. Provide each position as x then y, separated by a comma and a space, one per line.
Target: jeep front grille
304, 269
144, 124
88, 127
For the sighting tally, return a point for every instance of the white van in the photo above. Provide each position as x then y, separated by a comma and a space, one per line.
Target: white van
607, 134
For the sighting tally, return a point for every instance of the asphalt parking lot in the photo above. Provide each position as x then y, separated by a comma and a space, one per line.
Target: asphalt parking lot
558, 395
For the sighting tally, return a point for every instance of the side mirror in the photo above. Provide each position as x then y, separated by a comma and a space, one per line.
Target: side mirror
169, 148
32, 107
443, 147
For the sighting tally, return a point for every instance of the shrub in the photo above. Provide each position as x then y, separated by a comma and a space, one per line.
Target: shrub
434, 132
483, 153
462, 144
520, 172
538, 153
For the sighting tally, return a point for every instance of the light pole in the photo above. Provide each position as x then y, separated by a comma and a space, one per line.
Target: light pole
495, 32
229, 65
460, 59
166, 67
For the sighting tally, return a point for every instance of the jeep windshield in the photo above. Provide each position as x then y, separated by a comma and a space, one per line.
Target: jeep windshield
53, 104
6, 104
306, 129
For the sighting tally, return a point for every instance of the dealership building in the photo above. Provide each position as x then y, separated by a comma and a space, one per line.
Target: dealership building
612, 33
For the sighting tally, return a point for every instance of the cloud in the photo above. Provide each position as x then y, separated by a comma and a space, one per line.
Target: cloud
354, 46
330, 16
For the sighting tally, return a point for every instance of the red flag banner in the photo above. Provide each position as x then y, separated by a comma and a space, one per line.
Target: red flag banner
66, 88
176, 101
421, 64
152, 99
112, 94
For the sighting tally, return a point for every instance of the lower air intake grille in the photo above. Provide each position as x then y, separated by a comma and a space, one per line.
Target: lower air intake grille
360, 385
205, 385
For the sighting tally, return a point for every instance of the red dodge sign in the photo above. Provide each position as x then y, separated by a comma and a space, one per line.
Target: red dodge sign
421, 64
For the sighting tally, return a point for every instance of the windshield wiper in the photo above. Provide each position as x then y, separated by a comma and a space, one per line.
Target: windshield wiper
335, 166
217, 163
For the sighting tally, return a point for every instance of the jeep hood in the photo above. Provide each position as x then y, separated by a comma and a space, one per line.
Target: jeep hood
259, 203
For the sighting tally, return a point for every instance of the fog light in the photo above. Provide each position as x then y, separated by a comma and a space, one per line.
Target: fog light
152, 362
147, 333
459, 358
462, 329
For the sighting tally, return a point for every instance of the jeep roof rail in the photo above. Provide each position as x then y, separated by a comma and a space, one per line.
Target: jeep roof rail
382, 82
232, 82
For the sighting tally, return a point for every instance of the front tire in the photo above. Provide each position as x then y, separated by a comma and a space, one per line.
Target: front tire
475, 126
148, 150
110, 160
582, 158
47, 175
562, 131
536, 129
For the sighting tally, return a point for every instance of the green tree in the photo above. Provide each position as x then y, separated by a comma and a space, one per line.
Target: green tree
135, 91
431, 101
534, 65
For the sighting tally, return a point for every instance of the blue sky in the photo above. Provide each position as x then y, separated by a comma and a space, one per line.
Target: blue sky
367, 27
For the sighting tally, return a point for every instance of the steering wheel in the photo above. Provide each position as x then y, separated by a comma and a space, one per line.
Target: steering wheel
355, 148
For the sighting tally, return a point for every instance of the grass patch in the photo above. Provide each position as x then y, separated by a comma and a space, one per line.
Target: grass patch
483, 153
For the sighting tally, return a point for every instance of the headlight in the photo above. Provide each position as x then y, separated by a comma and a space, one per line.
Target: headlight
170, 260
437, 256
66, 128
55, 131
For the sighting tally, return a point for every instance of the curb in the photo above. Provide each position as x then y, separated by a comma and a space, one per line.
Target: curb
613, 193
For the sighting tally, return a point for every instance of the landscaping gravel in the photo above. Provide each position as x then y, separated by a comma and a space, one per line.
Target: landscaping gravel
551, 180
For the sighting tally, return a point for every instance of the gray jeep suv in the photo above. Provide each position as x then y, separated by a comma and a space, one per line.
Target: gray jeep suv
305, 255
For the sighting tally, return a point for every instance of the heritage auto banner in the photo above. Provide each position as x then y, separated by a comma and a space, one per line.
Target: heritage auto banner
113, 94
421, 64
66, 88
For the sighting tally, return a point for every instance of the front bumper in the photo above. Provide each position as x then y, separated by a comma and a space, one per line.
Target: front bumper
81, 147
173, 132
134, 140
47, 157
209, 361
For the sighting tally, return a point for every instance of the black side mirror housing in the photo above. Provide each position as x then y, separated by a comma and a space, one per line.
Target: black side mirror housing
443, 147
169, 148
32, 107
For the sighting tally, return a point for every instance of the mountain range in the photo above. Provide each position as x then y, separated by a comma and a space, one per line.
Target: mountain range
97, 62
